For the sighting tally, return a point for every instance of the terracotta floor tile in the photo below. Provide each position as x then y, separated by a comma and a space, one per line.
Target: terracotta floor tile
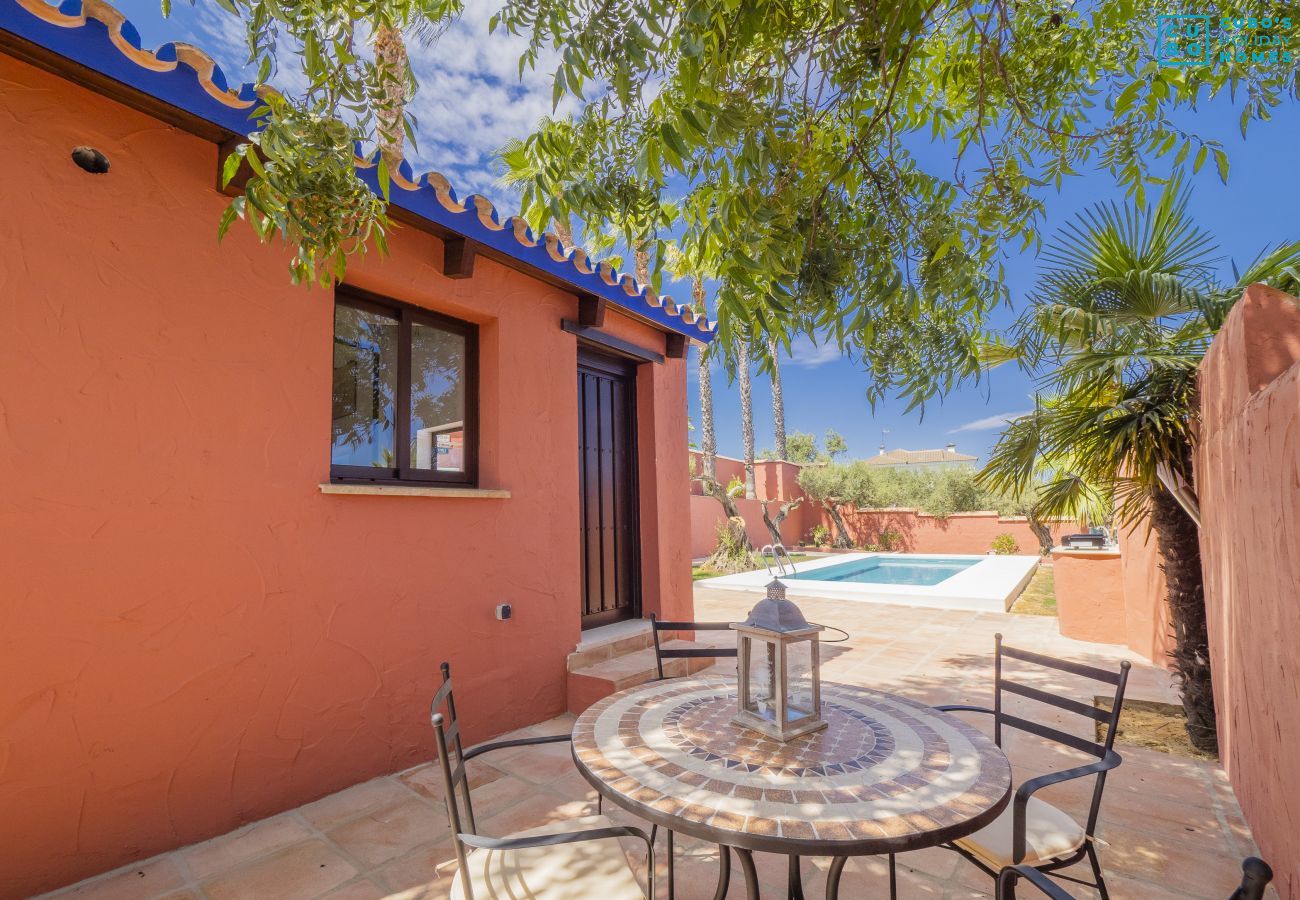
390, 831
1173, 825
249, 842
358, 889
419, 868
426, 780
309, 869
146, 879
540, 765
355, 801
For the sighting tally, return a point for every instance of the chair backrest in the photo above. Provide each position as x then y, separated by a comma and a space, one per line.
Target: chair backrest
451, 759
662, 653
1117, 680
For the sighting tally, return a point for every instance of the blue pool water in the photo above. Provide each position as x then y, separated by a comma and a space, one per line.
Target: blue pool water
890, 570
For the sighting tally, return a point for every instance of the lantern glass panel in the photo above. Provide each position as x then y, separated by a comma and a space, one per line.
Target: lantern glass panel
761, 700
800, 701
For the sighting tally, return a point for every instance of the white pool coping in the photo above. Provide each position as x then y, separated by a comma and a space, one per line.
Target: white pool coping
991, 585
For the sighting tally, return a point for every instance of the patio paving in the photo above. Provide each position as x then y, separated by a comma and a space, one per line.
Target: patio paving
1171, 826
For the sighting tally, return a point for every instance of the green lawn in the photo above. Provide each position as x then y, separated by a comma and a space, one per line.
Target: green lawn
1039, 597
699, 572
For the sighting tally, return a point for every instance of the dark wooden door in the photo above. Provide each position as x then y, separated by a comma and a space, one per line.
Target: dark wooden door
607, 479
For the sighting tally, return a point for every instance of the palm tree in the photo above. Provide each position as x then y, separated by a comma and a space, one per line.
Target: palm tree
778, 403
519, 167
395, 67
708, 436
1121, 318
746, 414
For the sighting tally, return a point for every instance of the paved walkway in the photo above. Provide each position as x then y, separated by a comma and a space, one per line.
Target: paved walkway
1172, 826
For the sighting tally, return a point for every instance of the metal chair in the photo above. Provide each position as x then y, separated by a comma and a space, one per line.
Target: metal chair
572, 860
1030, 831
662, 653
1255, 876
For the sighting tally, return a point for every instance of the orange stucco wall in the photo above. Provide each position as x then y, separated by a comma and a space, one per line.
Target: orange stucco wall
1248, 482
1115, 596
1090, 595
970, 532
1147, 629
194, 636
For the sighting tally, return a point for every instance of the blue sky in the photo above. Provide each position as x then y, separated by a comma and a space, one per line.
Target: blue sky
471, 102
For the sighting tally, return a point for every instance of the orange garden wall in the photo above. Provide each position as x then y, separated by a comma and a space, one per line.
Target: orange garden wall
1248, 482
970, 532
1115, 596
194, 635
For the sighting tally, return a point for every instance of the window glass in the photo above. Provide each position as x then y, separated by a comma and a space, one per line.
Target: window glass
365, 388
437, 399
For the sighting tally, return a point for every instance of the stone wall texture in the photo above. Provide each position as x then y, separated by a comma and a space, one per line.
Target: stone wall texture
1248, 482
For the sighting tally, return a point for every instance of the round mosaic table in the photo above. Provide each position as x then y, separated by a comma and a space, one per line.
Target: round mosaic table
886, 775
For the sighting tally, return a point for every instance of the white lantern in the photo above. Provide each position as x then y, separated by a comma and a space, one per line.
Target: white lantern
778, 669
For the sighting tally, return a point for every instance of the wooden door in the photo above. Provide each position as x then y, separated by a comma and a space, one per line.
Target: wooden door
607, 485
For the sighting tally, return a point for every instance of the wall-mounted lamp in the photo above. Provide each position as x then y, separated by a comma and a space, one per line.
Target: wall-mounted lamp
91, 160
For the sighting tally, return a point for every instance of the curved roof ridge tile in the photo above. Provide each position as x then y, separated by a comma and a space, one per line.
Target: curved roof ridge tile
427, 194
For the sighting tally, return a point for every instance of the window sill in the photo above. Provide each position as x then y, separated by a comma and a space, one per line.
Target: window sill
414, 490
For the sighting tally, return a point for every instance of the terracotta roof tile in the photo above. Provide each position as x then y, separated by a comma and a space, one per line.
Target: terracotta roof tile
909, 457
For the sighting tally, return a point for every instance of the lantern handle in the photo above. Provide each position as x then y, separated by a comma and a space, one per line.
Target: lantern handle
839, 640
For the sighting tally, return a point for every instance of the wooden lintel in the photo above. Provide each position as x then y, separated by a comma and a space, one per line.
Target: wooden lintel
458, 257
675, 346
608, 342
591, 311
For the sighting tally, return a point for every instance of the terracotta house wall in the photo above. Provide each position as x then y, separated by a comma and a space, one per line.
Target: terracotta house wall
1248, 483
195, 636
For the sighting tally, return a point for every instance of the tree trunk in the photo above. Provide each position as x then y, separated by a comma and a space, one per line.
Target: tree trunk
746, 417
563, 229
774, 523
719, 493
1179, 543
778, 403
843, 542
708, 437
1041, 531
641, 260
390, 55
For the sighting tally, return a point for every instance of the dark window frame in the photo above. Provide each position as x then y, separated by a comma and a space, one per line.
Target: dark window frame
406, 315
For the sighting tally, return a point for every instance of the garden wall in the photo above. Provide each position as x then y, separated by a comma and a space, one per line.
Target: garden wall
1248, 482
968, 532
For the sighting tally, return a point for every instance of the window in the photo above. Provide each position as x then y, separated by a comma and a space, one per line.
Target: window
405, 393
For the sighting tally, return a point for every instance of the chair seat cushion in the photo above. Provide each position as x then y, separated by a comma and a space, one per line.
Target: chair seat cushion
586, 869
1049, 833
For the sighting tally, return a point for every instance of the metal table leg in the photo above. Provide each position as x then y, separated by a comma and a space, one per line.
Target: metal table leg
833, 877
746, 858
794, 890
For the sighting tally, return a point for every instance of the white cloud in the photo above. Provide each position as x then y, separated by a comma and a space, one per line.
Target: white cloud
806, 354
989, 422
471, 100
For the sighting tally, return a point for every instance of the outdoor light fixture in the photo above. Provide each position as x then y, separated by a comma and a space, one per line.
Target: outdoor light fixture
91, 160
778, 669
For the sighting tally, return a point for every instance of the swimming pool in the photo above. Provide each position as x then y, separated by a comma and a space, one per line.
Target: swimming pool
887, 570
950, 581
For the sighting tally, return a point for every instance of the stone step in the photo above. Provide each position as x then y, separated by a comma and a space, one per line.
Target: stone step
597, 680
601, 644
